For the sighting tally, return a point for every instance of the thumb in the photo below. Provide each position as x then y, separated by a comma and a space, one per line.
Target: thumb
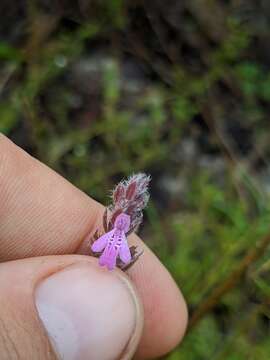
66, 307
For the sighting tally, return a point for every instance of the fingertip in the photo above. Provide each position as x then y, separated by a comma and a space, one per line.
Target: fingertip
174, 324
168, 325
166, 314
67, 307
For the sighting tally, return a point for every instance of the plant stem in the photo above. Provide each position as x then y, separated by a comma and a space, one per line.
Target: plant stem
230, 282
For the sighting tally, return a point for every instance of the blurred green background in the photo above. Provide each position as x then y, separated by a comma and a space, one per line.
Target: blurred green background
180, 90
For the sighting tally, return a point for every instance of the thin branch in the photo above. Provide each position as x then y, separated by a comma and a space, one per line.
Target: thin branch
230, 282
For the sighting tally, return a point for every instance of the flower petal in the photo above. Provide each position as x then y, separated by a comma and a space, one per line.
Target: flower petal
101, 242
108, 258
124, 252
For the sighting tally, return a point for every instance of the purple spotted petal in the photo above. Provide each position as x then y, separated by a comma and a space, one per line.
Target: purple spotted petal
124, 252
101, 242
108, 258
114, 243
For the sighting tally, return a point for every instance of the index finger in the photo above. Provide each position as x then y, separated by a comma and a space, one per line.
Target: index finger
41, 213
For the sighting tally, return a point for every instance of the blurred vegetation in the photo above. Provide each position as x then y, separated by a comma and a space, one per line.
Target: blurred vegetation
180, 90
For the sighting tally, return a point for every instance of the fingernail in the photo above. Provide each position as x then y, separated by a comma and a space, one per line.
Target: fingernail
89, 313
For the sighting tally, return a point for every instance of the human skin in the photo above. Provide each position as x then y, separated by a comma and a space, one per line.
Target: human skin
41, 214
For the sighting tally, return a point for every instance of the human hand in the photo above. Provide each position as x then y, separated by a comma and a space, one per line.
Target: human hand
57, 305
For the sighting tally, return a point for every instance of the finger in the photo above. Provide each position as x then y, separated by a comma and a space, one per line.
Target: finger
67, 308
42, 214
164, 307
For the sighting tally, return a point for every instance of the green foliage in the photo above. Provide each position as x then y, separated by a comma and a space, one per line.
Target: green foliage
10, 53
204, 231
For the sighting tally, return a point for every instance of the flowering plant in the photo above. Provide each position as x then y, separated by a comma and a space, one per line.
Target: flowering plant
120, 219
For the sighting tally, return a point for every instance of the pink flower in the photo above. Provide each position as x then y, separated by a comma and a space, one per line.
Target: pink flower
114, 243
120, 219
